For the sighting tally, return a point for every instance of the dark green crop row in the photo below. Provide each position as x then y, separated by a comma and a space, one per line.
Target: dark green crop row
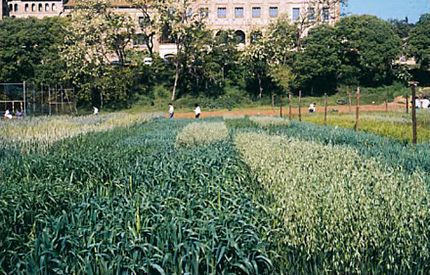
128, 201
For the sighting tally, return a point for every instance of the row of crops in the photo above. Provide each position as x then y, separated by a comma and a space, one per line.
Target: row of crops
218, 196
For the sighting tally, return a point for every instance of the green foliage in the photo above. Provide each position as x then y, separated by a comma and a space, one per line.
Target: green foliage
419, 41
317, 66
29, 50
368, 48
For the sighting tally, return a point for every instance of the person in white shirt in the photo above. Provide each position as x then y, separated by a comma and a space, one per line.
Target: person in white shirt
197, 110
417, 103
425, 103
171, 111
96, 111
312, 108
7, 114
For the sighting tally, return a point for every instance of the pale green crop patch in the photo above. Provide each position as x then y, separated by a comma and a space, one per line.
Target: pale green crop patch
267, 121
202, 133
342, 213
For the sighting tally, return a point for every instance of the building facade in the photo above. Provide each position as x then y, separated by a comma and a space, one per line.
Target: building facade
244, 17
35, 8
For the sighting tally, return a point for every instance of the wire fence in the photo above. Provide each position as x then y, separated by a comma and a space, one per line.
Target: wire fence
31, 99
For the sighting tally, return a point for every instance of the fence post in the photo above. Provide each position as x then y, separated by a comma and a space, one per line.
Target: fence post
386, 102
350, 101
25, 94
414, 112
357, 109
407, 104
289, 106
325, 109
300, 109
281, 105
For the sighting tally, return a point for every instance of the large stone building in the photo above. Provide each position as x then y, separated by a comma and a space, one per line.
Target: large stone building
35, 8
242, 16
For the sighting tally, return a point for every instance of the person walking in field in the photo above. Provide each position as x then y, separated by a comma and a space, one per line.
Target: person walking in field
96, 111
171, 111
197, 110
312, 108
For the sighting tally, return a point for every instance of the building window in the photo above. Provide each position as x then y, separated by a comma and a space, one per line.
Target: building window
40, 8
256, 12
16, 7
54, 7
311, 14
273, 11
139, 40
10, 7
222, 12
238, 12
240, 37
296, 14
326, 14
46, 7
256, 36
26, 8
33, 7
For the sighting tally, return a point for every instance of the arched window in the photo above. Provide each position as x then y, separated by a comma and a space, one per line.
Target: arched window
240, 37
46, 7
40, 7
26, 7
33, 7
10, 7
54, 7
16, 7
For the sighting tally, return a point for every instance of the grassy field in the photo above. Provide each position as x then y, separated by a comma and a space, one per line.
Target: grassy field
248, 195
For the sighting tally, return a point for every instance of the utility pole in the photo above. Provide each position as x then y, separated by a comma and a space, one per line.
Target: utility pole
357, 109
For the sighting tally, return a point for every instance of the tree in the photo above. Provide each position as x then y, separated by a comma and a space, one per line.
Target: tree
95, 37
149, 21
419, 42
29, 50
368, 46
179, 23
317, 65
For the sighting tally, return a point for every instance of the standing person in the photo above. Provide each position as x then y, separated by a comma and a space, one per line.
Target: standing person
96, 111
425, 103
171, 111
197, 110
312, 108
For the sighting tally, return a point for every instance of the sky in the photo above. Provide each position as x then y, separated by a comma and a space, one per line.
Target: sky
389, 9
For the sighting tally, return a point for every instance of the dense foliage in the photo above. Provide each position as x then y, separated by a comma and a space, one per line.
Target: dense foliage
100, 57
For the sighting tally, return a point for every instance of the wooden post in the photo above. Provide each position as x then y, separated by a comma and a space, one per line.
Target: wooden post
280, 106
49, 100
407, 104
357, 109
350, 101
414, 112
386, 101
289, 106
300, 107
325, 109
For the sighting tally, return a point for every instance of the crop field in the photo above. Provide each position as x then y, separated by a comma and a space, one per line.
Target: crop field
393, 125
140, 194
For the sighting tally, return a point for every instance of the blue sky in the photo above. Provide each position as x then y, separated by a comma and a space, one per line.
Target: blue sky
386, 9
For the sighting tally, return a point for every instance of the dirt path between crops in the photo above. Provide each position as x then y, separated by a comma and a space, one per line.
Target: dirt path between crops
275, 112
